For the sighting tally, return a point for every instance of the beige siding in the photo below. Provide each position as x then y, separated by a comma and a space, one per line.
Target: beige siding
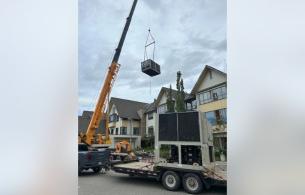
126, 123
216, 105
208, 82
163, 99
113, 110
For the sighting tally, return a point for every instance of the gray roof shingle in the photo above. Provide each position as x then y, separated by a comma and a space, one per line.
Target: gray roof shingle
128, 108
151, 107
84, 120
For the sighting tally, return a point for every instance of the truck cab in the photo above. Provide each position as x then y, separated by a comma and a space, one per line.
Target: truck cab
92, 158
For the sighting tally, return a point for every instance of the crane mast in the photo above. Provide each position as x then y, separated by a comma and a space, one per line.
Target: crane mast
102, 103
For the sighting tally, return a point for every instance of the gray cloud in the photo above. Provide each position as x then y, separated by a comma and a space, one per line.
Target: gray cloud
189, 35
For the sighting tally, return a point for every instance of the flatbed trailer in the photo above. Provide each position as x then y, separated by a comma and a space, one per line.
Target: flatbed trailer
194, 178
183, 155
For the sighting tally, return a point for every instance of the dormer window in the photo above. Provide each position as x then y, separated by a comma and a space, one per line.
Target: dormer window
113, 118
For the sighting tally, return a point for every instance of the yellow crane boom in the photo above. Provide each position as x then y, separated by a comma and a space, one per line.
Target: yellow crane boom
102, 103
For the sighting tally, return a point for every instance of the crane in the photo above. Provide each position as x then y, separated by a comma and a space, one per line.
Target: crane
102, 102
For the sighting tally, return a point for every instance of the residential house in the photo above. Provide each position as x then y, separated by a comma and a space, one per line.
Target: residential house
210, 95
162, 99
127, 121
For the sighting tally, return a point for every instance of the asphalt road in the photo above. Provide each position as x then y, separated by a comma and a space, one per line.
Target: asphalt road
120, 184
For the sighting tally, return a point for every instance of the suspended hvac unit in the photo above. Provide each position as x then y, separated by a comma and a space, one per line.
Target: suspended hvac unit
149, 66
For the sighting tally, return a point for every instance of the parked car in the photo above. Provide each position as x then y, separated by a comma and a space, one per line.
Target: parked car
92, 158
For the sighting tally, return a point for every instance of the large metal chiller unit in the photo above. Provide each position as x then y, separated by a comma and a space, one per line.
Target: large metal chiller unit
187, 136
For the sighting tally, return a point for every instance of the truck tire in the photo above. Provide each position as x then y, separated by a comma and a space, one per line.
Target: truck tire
97, 169
192, 183
171, 180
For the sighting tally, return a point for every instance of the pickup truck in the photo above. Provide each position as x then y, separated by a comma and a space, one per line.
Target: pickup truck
92, 158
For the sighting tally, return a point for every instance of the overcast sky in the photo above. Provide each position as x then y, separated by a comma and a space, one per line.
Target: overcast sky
189, 34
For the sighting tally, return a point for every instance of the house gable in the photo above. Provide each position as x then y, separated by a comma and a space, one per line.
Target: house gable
113, 109
209, 77
163, 99
160, 96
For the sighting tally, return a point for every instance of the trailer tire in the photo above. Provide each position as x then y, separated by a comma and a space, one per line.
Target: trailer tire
171, 180
192, 183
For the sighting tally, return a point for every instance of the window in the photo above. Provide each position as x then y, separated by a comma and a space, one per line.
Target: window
113, 118
116, 131
220, 145
205, 97
136, 131
150, 116
217, 117
224, 91
191, 105
223, 115
123, 130
162, 109
200, 98
111, 131
194, 104
151, 131
214, 94
211, 118
188, 106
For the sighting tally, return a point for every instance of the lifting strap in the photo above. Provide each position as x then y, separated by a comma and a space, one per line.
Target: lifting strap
150, 41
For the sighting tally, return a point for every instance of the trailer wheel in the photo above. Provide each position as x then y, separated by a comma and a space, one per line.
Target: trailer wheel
192, 183
171, 180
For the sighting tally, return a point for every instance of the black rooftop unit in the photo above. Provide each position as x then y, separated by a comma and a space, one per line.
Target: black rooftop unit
150, 67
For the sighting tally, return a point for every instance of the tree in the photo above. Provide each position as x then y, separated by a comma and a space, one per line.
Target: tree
178, 80
182, 92
180, 105
170, 102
